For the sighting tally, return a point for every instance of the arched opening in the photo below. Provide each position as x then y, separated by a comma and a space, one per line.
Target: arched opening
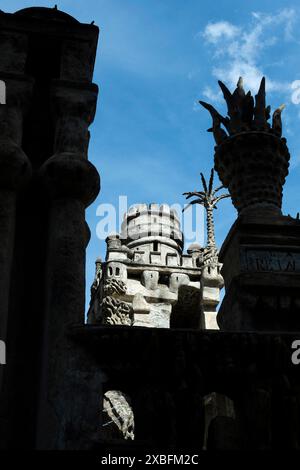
217, 407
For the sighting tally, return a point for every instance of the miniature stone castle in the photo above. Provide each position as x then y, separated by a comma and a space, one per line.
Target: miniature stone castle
148, 281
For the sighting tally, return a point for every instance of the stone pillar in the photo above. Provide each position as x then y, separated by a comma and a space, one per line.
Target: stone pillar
261, 267
211, 284
260, 255
15, 172
71, 183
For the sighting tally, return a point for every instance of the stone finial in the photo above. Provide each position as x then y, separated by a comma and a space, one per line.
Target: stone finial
251, 158
97, 278
244, 114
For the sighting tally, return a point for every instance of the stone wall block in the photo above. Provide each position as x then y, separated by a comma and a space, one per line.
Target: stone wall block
177, 280
150, 279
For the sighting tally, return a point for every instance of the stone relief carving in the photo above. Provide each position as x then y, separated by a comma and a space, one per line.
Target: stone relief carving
262, 260
116, 312
118, 413
115, 286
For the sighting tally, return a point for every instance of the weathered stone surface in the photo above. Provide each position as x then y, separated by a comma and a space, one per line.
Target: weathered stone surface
116, 312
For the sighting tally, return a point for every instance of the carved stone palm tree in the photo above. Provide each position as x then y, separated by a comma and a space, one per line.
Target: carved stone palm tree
209, 199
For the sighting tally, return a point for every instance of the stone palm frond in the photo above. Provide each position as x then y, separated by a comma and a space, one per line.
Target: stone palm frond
244, 113
209, 199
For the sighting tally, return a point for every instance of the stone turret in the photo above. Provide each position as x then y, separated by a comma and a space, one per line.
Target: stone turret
154, 231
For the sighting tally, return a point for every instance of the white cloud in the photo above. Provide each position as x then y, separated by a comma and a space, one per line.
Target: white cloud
214, 96
252, 75
196, 106
214, 32
286, 17
237, 50
295, 86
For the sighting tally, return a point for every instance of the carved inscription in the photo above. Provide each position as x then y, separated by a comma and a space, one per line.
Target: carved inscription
270, 260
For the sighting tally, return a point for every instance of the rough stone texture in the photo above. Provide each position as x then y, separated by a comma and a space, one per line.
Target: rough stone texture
116, 312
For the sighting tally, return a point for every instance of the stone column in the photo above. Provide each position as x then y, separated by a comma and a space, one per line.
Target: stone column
211, 284
71, 183
260, 255
15, 171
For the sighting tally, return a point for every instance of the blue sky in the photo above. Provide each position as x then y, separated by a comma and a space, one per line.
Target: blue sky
155, 60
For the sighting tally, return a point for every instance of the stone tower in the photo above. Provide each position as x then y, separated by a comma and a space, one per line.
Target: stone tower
147, 280
153, 230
